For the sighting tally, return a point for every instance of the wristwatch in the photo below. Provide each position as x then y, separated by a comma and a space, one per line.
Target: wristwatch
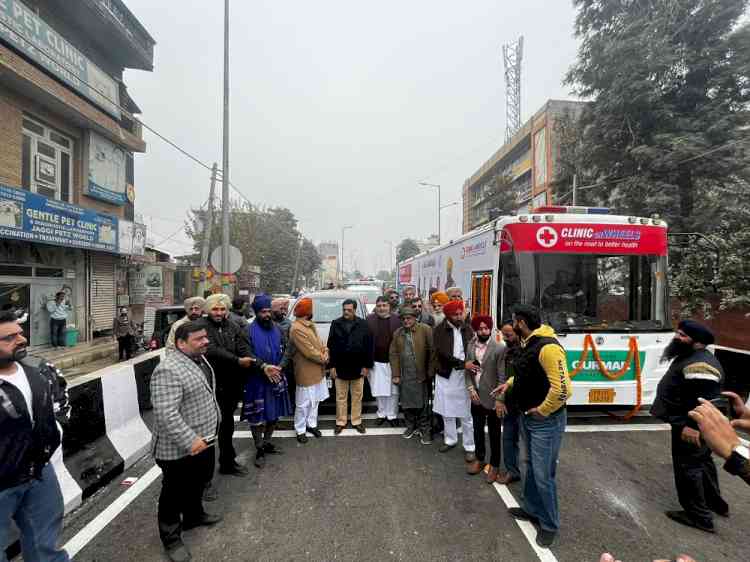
742, 450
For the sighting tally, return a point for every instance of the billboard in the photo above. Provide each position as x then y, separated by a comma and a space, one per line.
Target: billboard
106, 170
34, 218
131, 238
24, 30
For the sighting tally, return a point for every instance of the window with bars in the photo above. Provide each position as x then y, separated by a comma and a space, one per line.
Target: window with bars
46, 161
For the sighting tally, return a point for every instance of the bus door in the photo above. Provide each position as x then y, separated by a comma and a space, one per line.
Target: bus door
481, 292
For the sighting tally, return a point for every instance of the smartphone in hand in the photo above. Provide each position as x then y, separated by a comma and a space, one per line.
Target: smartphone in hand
210, 440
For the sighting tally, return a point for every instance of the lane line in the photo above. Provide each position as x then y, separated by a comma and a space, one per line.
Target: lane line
379, 431
527, 528
96, 525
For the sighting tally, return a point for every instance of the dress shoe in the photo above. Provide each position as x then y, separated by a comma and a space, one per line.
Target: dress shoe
684, 518
206, 520
260, 459
271, 449
506, 478
720, 509
491, 475
545, 539
361, 428
179, 553
302, 438
474, 467
338, 430
315, 431
444, 448
470, 456
380, 422
520, 513
234, 470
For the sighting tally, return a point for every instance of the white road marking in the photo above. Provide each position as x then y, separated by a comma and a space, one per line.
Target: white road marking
96, 525
527, 528
379, 431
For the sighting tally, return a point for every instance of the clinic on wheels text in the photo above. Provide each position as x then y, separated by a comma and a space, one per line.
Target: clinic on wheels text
599, 279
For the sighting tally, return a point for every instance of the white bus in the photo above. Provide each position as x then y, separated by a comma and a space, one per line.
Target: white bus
600, 280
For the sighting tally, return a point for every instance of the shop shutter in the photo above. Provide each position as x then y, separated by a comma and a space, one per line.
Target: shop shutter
102, 292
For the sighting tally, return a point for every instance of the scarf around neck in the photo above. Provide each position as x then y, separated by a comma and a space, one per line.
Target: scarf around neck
266, 343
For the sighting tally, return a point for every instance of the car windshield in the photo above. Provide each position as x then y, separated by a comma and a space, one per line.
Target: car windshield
588, 292
367, 294
326, 309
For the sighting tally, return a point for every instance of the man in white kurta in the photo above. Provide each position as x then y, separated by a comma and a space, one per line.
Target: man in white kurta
383, 323
451, 396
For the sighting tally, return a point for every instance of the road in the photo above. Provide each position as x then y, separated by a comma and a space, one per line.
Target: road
381, 497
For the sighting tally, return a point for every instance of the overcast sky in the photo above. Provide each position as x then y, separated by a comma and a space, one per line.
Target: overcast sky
338, 108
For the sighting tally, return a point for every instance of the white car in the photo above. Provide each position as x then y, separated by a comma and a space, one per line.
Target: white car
368, 294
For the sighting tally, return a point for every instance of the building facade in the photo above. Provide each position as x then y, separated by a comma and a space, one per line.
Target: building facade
523, 168
67, 140
329, 267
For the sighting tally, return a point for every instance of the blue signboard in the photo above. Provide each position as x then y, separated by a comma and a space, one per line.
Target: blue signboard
31, 217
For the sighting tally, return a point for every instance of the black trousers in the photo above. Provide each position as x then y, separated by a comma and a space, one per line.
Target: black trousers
696, 479
482, 416
181, 495
125, 347
227, 396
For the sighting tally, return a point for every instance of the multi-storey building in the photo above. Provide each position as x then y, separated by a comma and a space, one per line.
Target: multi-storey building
524, 169
67, 139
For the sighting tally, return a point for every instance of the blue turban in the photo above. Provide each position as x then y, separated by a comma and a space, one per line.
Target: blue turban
696, 331
260, 302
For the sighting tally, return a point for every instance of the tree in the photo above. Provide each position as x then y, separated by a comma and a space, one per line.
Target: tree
267, 238
669, 90
406, 249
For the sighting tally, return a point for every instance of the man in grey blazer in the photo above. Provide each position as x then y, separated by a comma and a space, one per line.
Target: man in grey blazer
487, 372
186, 419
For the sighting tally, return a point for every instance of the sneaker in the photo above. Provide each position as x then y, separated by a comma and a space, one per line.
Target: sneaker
545, 539
409, 432
315, 431
520, 513
301, 438
339, 429
361, 428
684, 518
179, 553
426, 439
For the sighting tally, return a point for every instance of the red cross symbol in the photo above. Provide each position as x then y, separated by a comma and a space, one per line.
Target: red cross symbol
546, 236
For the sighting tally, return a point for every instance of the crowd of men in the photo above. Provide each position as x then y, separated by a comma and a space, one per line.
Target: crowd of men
440, 365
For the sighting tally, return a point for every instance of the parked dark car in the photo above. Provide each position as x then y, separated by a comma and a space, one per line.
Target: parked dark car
165, 317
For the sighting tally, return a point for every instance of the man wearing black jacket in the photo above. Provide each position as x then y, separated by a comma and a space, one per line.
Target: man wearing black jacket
229, 355
29, 490
694, 373
351, 350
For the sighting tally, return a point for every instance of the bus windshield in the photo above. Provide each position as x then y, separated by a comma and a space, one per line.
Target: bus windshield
588, 292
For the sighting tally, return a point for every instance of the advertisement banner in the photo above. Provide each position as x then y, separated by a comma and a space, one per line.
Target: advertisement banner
404, 273
613, 360
34, 218
106, 170
146, 284
582, 238
31, 35
132, 238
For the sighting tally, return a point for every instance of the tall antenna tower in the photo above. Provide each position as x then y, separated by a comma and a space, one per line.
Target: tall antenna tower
512, 56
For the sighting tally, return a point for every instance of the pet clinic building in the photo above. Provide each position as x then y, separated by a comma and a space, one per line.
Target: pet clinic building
67, 139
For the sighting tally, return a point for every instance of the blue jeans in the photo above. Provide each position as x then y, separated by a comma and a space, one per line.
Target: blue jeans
37, 508
57, 332
543, 438
511, 435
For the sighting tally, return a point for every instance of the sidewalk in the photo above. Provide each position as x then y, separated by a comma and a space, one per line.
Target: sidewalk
66, 358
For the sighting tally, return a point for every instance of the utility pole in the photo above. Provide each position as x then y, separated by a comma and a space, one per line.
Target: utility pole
575, 189
296, 263
208, 226
439, 206
225, 160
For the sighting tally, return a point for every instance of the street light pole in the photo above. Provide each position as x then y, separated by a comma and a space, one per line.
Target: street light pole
436, 186
343, 231
225, 158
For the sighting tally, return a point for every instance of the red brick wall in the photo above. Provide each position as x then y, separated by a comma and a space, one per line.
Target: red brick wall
731, 327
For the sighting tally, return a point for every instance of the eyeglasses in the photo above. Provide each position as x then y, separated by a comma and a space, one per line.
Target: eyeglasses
11, 337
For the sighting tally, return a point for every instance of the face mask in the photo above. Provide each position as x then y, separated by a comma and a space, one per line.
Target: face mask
482, 338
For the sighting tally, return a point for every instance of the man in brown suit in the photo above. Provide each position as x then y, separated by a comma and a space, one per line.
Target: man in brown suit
310, 357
